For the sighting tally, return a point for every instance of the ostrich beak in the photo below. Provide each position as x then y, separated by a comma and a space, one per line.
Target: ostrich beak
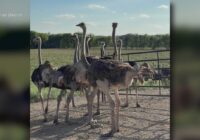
79, 24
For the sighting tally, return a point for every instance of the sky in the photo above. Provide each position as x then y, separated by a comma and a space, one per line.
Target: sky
133, 16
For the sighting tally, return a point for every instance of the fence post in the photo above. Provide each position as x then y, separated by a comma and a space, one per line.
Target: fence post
158, 60
128, 57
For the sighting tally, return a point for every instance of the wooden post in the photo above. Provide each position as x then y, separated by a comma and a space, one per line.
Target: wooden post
158, 71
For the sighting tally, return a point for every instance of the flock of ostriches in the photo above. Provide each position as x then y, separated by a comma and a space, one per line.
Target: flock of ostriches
91, 75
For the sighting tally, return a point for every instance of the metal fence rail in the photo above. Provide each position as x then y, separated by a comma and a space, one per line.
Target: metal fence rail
158, 60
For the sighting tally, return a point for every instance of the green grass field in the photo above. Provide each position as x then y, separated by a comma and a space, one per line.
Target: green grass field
59, 57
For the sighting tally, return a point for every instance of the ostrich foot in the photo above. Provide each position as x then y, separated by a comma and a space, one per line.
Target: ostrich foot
124, 105
138, 105
74, 106
109, 134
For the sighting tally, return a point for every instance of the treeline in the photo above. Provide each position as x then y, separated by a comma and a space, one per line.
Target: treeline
129, 40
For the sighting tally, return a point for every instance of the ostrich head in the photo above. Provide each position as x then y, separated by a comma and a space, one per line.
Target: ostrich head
82, 25
146, 71
88, 37
114, 24
37, 40
75, 36
103, 44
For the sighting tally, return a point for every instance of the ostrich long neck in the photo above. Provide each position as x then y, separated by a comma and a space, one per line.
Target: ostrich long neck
114, 44
87, 47
76, 51
39, 51
120, 47
83, 55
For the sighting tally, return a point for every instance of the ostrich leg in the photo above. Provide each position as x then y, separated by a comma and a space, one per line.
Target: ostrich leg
137, 104
87, 98
42, 102
126, 102
69, 98
103, 97
113, 117
90, 103
98, 106
117, 100
49, 92
73, 104
59, 99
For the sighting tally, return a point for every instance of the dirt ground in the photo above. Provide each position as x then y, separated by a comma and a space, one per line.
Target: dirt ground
149, 122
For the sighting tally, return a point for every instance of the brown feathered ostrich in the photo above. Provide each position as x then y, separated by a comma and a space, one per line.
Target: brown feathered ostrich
146, 69
114, 56
114, 26
104, 76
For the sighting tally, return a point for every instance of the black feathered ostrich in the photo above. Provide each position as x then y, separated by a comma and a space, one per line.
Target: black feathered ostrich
104, 76
43, 76
69, 82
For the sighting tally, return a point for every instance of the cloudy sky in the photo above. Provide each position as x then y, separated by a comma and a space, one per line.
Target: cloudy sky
133, 16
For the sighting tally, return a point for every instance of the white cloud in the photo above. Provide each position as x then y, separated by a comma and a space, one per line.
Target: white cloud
144, 16
95, 6
163, 7
66, 16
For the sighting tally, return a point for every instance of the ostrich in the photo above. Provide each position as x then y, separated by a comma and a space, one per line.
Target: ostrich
45, 76
104, 76
68, 81
136, 66
42, 77
88, 39
103, 53
114, 57
136, 78
76, 59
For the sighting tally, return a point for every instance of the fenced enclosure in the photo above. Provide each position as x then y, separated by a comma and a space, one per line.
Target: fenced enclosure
150, 121
158, 61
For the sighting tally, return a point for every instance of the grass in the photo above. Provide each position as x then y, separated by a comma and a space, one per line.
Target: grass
59, 57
